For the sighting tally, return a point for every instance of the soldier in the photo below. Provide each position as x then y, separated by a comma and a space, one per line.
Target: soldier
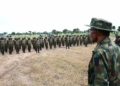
10, 45
59, 41
74, 40
67, 41
6, 45
37, 45
17, 45
104, 66
42, 40
63, 40
2, 42
77, 40
54, 41
50, 42
33, 42
86, 40
70, 41
46, 42
80, 40
29, 44
23, 44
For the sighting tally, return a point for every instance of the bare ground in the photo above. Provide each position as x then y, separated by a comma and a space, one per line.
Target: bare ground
55, 67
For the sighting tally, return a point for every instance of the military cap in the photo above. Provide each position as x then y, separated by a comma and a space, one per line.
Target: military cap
101, 24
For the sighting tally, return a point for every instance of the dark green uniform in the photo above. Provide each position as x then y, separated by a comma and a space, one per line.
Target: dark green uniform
59, 41
50, 42
17, 45
54, 41
6, 45
23, 44
37, 45
77, 40
81, 40
46, 42
63, 40
29, 44
2, 42
67, 41
10, 45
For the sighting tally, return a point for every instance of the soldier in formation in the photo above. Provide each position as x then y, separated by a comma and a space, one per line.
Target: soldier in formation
37, 43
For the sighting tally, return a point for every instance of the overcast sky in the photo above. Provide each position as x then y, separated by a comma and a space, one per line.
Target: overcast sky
46, 15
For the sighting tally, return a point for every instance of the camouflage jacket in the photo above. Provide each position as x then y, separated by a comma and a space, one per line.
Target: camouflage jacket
104, 66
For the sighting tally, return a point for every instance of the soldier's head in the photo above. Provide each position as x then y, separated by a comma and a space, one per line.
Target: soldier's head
99, 29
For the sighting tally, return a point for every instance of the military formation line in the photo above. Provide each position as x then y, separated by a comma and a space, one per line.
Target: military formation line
10, 44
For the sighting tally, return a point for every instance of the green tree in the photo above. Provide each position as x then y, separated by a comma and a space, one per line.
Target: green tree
54, 31
13, 33
113, 27
76, 30
30, 32
5, 33
118, 28
65, 31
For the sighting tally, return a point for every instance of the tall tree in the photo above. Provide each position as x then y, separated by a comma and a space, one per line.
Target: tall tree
5, 33
54, 31
118, 28
30, 32
76, 30
65, 31
113, 27
13, 33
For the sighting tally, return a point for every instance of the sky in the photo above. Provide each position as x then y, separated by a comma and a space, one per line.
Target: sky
46, 15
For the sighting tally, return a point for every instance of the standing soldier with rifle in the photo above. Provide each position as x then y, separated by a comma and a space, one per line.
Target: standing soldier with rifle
6, 45
54, 41
37, 45
63, 40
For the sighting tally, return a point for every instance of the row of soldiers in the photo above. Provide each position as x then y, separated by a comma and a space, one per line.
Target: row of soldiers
40, 42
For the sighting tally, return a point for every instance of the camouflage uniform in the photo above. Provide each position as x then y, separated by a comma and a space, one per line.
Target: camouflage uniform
63, 40
2, 42
80, 39
23, 44
46, 42
104, 66
50, 42
59, 41
86, 40
67, 41
99, 68
77, 40
6, 45
10, 45
29, 44
54, 41
17, 45
37, 45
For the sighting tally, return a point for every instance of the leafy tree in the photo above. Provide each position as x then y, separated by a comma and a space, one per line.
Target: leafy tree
5, 33
113, 27
45, 32
30, 32
13, 33
76, 30
54, 31
118, 28
65, 31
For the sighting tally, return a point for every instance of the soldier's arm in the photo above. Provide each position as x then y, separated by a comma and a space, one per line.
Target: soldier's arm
100, 72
